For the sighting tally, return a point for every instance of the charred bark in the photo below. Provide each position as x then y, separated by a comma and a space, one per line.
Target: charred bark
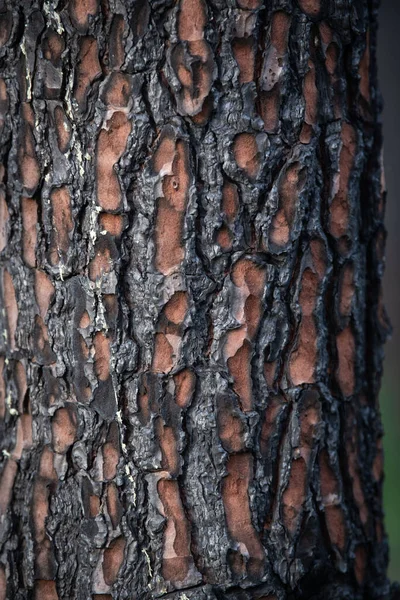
191, 339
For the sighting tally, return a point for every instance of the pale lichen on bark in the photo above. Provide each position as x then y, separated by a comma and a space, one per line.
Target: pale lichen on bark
192, 246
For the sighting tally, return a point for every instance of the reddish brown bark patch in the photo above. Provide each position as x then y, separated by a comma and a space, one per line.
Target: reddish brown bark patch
44, 555
23, 437
113, 559
6, 485
330, 498
4, 216
269, 109
2, 390
237, 508
239, 366
116, 42
44, 291
45, 590
163, 157
175, 187
176, 308
310, 92
269, 98
27, 159
111, 307
346, 348
224, 238
360, 563
250, 275
290, 186
43, 354
111, 453
63, 129
304, 358
185, 382
4, 103
176, 553
340, 207
310, 418
6, 22
192, 20
144, 403
164, 357
53, 46
10, 306
117, 92
363, 72
195, 76
113, 224
245, 151
29, 230
60, 201
230, 201
279, 31
294, 495
332, 51
202, 117
114, 506
244, 53
110, 461
25, 421
94, 505
249, 279
102, 263
111, 145
87, 70
169, 251
310, 7
252, 314
249, 4
192, 58
230, 428
336, 526
3, 583
354, 470
22, 385
169, 450
347, 290
272, 412
102, 355
80, 12
64, 426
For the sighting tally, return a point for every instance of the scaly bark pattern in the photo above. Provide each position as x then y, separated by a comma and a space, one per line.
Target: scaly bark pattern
191, 340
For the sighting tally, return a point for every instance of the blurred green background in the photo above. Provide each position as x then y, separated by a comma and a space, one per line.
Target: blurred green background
389, 76
391, 418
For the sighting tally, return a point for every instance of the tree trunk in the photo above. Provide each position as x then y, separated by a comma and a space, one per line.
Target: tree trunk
192, 325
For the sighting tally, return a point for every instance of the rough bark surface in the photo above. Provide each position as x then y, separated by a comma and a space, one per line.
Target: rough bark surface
191, 329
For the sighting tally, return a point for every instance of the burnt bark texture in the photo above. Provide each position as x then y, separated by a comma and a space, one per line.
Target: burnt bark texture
192, 247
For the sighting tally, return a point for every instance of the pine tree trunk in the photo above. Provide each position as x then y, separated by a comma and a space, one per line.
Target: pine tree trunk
191, 336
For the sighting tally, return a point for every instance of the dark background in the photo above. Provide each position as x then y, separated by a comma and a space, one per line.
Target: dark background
389, 76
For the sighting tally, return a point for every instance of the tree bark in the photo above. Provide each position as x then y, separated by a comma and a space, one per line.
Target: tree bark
192, 248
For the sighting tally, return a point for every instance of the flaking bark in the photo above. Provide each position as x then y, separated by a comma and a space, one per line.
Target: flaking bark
192, 247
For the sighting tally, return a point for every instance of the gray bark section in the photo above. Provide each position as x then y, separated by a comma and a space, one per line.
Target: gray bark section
273, 445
